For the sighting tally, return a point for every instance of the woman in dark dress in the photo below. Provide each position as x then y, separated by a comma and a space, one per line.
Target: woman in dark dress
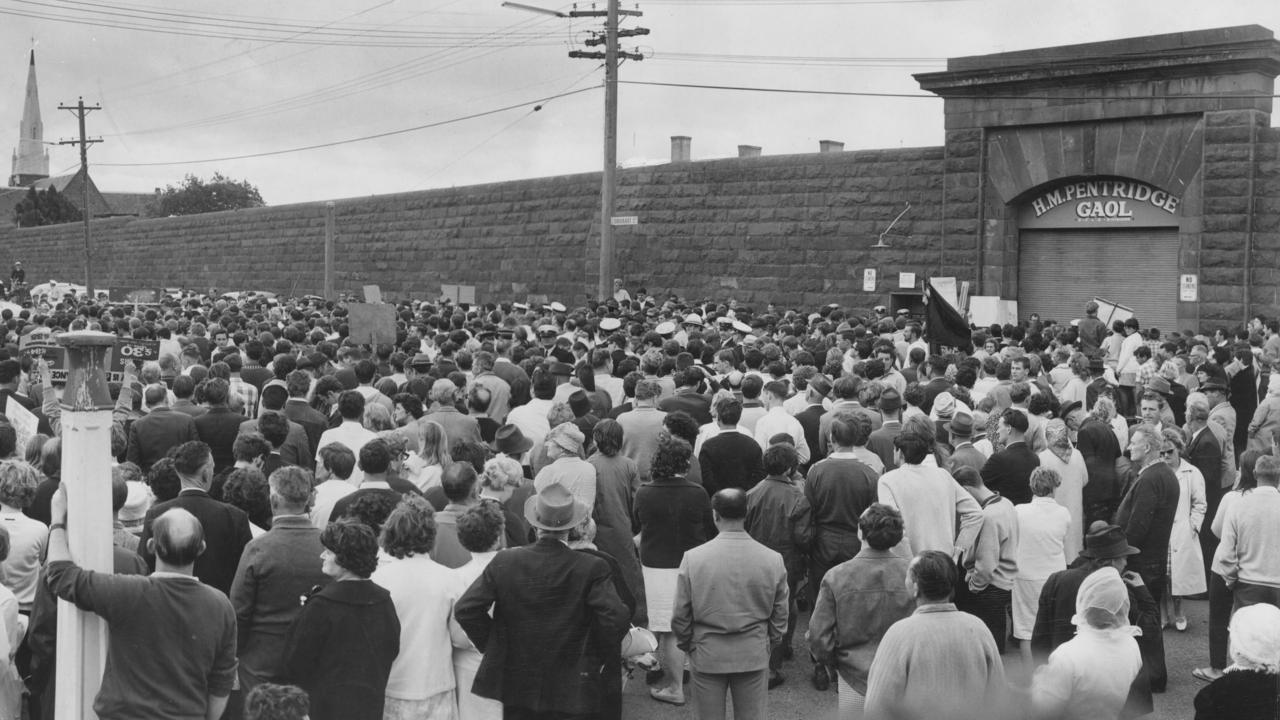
674, 515
341, 646
1248, 689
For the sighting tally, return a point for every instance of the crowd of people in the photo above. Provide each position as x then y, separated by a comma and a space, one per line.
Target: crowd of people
510, 511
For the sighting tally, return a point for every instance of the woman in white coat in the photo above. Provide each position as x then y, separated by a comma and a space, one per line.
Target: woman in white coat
1186, 562
1069, 464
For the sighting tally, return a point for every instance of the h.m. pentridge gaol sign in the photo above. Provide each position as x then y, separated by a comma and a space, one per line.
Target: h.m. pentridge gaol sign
1097, 202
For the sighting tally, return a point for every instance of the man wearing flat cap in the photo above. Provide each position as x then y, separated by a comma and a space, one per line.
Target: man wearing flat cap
545, 617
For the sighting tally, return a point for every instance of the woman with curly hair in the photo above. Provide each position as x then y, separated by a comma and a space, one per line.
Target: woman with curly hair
343, 643
247, 489
27, 537
421, 683
674, 516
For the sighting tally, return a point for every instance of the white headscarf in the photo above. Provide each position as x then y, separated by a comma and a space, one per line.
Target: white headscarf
1102, 604
1255, 639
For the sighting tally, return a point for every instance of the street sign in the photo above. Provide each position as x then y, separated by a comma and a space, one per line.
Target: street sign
624, 220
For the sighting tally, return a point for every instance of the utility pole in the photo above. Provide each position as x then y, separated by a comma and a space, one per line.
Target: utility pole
81, 110
609, 178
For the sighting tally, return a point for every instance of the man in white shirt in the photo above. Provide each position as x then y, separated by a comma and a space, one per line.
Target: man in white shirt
333, 481
351, 432
776, 420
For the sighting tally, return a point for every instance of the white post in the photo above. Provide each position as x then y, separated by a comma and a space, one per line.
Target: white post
86, 473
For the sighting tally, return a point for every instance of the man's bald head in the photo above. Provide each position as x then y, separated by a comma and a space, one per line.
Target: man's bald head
177, 537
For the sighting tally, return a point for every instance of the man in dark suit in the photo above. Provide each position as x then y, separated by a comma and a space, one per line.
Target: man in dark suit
515, 375
1204, 450
219, 427
687, 397
1147, 508
1244, 393
935, 369
161, 429
730, 458
297, 409
816, 389
296, 448
226, 528
254, 370
1008, 472
277, 569
183, 389
960, 428
556, 617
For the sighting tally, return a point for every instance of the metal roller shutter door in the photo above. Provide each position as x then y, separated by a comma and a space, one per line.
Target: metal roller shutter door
1060, 270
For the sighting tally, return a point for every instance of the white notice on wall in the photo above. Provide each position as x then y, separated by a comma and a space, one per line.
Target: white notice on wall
869, 280
1189, 288
907, 281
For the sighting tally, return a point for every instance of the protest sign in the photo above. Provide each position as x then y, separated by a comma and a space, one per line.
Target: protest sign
370, 324
24, 422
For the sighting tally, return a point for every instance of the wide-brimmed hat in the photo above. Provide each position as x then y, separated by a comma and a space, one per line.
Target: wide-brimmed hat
665, 327
1069, 408
508, 440
610, 324
554, 509
693, 319
1159, 385
961, 425
1214, 383
561, 368
1106, 543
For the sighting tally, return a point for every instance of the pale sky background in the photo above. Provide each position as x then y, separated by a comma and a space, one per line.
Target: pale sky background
293, 73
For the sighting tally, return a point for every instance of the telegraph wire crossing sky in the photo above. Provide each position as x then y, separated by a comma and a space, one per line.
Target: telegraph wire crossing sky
322, 100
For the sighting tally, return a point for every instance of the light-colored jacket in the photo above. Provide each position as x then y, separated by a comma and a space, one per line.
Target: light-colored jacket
1186, 561
731, 604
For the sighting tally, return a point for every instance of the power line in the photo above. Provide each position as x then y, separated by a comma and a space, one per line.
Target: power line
807, 60
422, 40
766, 3
242, 53
397, 73
348, 141
930, 96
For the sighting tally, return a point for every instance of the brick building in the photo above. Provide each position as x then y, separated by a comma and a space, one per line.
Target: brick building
1144, 171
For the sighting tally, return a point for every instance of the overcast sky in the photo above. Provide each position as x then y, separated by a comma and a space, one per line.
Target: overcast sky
294, 73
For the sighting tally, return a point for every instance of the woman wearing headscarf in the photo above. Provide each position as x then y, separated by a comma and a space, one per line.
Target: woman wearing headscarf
1073, 476
1044, 527
1088, 677
421, 683
1248, 688
1186, 563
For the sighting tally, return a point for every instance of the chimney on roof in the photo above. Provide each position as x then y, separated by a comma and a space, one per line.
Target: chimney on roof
748, 151
829, 146
681, 148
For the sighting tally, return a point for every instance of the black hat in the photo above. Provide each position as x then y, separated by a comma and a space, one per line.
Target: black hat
1106, 542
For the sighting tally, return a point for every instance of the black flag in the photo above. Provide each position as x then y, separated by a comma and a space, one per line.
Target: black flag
944, 325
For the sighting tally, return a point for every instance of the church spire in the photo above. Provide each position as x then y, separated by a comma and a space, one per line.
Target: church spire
31, 160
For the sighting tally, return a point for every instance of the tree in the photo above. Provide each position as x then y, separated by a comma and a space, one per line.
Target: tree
195, 196
47, 207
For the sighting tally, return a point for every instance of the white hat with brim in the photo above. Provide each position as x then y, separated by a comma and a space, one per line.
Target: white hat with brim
741, 326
